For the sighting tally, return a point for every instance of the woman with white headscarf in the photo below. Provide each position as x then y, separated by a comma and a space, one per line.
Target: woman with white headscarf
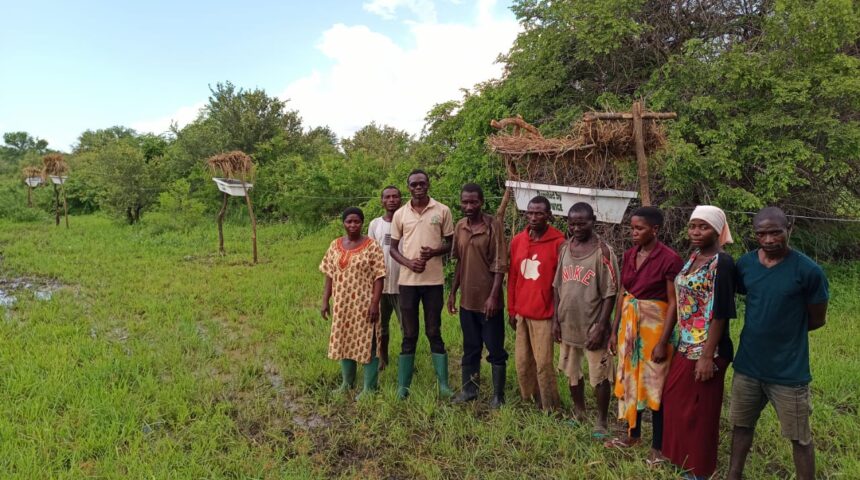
693, 393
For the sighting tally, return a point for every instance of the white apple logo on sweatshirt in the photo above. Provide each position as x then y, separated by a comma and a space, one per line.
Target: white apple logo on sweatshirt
529, 268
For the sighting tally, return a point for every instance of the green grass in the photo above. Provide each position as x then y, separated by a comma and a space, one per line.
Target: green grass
160, 359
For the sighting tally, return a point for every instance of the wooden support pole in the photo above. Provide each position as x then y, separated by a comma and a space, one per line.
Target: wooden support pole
506, 198
29, 196
65, 204
221, 224
641, 159
57, 205
253, 220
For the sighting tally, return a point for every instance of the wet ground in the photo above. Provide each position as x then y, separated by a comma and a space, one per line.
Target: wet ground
14, 288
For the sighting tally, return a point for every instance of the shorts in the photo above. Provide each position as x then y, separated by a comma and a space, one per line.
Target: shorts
600, 365
793, 405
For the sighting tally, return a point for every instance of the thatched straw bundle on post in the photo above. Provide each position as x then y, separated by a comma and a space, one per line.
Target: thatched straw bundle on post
31, 175
590, 156
57, 168
55, 165
234, 165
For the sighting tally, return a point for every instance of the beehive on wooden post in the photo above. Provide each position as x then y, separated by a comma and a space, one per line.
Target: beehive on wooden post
57, 171
237, 170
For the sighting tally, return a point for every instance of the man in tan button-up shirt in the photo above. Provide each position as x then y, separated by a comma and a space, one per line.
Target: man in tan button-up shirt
421, 233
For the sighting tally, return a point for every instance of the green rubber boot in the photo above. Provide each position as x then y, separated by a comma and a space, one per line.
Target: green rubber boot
405, 366
440, 364
347, 372
371, 379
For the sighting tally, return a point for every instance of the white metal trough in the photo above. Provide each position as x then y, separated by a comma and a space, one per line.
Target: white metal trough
232, 187
58, 180
33, 181
609, 205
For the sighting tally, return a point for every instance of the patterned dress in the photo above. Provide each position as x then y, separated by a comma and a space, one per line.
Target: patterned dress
692, 408
695, 296
638, 379
353, 273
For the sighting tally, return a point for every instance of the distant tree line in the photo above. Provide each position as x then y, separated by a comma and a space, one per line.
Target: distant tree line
767, 94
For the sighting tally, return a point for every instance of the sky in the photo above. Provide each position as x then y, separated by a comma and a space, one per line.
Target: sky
66, 67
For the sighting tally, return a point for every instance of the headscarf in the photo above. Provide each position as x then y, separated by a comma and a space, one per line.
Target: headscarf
716, 218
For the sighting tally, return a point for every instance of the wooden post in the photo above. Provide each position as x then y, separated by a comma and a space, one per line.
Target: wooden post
253, 219
221, 224
29, 196
637, 115
506, 198
641, 159
57, 204
65, 204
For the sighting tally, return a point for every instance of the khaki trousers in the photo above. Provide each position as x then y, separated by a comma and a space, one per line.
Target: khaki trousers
533, 356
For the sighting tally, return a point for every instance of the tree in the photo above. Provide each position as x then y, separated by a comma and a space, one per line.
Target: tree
18, 147
118, 176
95, 139
19, 143
247, 118
385, 144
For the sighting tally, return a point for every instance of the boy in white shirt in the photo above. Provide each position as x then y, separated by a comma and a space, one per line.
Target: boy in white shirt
380, 230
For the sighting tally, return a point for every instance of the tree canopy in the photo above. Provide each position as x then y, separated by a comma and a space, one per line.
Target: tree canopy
767, 94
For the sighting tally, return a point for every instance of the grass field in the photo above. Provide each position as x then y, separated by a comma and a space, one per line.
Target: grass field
157, 358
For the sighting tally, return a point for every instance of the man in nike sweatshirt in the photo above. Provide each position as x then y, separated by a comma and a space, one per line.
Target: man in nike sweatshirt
534, 257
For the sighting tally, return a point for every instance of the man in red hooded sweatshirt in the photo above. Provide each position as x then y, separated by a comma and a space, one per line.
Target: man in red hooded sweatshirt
534, 257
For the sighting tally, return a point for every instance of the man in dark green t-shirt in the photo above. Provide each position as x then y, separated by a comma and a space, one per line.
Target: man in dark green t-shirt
786, 298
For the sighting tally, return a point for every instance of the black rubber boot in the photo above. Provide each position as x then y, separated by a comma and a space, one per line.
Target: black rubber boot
471, 380
499, 376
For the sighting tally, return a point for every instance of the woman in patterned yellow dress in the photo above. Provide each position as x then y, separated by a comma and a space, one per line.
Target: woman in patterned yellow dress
354, 270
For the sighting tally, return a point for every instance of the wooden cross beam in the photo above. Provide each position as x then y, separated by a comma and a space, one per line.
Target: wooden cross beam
636, 115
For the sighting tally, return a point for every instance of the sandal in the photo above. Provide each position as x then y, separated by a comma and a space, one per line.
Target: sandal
655, 460
621, 443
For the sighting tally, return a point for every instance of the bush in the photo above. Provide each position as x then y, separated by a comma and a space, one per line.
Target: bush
177, 210
13, 202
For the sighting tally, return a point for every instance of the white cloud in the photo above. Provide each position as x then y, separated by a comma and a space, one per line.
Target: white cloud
425, 10
183, 116
373, 78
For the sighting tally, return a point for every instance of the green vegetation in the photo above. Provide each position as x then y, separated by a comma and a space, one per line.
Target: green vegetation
766, 94
159, 359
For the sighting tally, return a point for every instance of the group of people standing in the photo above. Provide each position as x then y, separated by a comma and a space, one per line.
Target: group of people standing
652, 327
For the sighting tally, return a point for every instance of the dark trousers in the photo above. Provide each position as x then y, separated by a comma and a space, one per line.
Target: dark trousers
431, 297
389, 303
656, 424
479, 331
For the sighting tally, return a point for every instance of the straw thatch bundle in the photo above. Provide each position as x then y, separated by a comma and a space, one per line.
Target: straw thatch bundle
31, 171
590, 156
235, 164
607, 138
55, 165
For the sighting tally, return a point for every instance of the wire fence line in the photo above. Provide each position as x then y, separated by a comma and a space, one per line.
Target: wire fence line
456, 199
